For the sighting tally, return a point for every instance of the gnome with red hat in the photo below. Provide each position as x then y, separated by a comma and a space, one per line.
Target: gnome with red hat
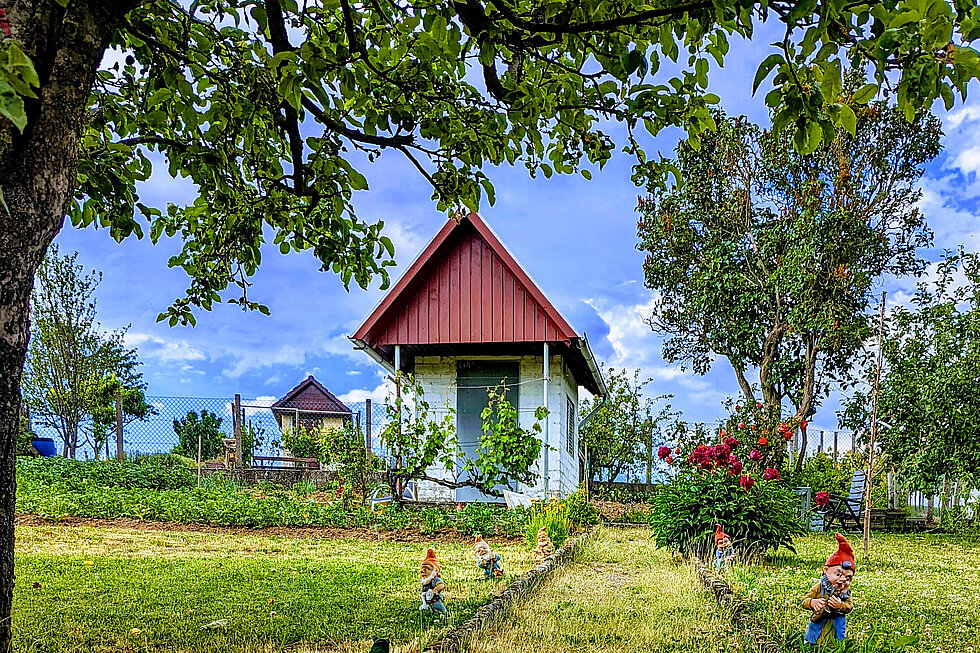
724, 551
830, 599
487, 560
432, 585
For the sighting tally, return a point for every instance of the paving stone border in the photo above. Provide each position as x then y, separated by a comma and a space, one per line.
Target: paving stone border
734, 607
457, 639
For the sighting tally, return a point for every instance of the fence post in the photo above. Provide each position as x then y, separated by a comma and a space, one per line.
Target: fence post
367, 428
237, 425
853, 441
835, 446
120, 454
820, 448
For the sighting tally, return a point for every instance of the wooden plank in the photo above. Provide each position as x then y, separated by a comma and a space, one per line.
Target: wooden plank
463, 304
519, 299
486, 297
498, 299
422, 300
444, 301
453, 299
476, 280
507, 308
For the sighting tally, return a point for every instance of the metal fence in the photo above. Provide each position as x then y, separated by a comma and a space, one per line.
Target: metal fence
157, 433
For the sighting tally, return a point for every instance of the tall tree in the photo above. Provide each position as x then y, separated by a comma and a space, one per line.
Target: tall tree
267, 105
767, 257
929, 398
623, 431
73, 368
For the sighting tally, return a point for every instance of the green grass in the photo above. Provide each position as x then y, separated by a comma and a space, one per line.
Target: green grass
87, 589
622, 594
921, 585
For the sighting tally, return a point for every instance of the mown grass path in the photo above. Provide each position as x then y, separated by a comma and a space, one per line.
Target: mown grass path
124, 589
622, 594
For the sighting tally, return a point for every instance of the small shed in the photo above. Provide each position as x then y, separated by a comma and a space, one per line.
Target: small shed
310, 406
465, 316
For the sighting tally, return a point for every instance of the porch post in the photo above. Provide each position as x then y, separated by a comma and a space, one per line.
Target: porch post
547, 439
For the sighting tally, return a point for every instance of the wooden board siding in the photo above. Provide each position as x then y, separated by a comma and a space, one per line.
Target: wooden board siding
465, 288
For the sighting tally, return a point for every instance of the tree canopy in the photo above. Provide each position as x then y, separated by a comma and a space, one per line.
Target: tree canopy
768, 257
929, 394
74, 369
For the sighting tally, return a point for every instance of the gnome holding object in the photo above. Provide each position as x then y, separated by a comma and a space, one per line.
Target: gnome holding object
432, 585
724, 551
487, 560
544, 549
830, 599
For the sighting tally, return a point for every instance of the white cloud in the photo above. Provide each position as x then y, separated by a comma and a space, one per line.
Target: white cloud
634, 344
378, 395
169, 350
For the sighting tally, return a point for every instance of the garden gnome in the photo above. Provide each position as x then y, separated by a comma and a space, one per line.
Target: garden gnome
544, 549
487, 560
724, 551
432, 585
830, 599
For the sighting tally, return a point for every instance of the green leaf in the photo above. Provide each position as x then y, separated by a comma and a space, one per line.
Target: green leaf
765, 68
160, 95
831, 85
848, 120
864, 94
904, 18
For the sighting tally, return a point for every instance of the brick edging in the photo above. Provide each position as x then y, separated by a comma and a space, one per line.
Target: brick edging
734, 606
488, 614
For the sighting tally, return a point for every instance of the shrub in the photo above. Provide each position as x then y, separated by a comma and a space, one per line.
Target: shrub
23, 446
581, 512
207, 427
759, 518
301, 442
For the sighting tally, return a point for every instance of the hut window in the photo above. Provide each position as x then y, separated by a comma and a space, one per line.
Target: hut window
570, 425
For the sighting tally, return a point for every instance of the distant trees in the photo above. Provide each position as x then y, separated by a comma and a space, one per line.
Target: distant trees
929, 395
73, 368
623, 431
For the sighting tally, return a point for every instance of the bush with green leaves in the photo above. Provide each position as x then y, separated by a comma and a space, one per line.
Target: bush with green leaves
552, 516
23, 446
301, 442
760, 516
206, 428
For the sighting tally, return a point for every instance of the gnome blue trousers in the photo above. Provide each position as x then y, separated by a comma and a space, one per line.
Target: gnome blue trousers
814, 629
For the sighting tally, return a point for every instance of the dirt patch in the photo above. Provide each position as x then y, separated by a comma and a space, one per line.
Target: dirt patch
613, 511
407, 535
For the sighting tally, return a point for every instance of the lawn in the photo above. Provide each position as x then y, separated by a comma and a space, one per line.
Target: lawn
622, 594
917, 585
124, 589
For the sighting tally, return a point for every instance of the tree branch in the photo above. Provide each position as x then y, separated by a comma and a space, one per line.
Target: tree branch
596, 26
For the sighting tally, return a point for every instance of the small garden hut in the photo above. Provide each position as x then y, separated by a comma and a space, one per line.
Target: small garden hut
464, 316
310, 406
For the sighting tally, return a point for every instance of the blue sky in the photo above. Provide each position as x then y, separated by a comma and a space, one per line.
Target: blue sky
576, 239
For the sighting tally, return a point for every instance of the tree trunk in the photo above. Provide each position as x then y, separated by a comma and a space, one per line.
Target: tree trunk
37, 178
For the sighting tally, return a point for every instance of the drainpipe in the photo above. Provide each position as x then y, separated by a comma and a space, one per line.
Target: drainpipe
547, 439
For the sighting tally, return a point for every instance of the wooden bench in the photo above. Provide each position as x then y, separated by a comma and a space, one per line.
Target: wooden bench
846, 511
285, 462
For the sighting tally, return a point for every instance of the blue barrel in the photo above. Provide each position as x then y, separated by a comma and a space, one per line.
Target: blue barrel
45, 446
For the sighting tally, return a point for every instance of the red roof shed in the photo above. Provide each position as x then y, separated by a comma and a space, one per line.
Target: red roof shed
466, 295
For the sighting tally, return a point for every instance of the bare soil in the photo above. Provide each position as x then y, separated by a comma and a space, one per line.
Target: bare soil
406, 535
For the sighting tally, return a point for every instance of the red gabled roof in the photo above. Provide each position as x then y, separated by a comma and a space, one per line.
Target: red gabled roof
310, 395
465, 287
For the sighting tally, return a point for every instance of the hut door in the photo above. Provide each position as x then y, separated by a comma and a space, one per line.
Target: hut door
472, 380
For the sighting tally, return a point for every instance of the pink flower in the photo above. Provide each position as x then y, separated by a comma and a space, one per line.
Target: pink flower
821, 499
731, 442
771, 474
663, 452
735, 467
746, 482
755, 455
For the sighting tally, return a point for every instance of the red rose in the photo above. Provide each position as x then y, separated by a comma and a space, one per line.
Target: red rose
731, 442
669, 460
663, 452
755, 455
746, 482
821, 499
735, 467
763, 441
741, 425
771, 474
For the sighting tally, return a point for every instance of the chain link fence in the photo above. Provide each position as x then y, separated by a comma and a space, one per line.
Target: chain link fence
159, 432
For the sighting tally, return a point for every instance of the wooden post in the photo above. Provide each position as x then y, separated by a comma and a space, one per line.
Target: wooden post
120, 454
199, 458
874, 431
367, 428
820, 448
853, 441
835, 446
237, 425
